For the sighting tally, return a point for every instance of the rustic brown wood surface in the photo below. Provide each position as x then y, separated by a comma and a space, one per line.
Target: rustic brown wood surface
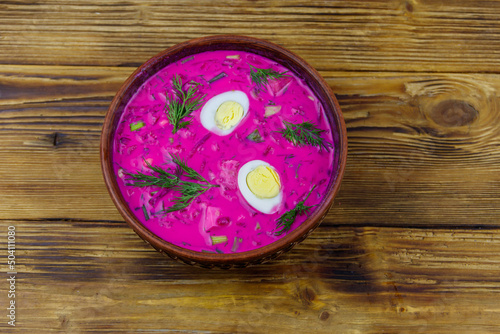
411, 244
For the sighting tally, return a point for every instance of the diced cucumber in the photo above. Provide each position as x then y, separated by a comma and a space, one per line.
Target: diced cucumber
255, 136
220, 239
136, 126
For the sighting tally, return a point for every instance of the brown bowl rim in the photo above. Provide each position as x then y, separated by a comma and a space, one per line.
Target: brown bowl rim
241, 43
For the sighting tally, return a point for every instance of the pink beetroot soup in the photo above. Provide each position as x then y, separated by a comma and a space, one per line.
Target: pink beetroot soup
144, 135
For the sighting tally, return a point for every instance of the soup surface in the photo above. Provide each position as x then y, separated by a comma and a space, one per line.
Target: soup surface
223, 151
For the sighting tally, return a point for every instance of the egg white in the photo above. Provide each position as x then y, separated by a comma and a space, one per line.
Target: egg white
264, 205
207, 114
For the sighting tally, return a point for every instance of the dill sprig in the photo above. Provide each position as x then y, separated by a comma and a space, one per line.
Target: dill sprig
305, 133
188, 171
189, 191
261, 76
183, 104
284, 223
161, 178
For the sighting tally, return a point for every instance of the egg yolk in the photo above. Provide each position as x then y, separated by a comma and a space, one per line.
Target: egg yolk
228, 115
264, 182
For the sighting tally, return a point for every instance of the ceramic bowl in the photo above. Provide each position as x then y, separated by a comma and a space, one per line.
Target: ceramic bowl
238, 43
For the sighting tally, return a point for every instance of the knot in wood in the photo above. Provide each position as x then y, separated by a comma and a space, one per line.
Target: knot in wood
409, 6
324, 316
451, 113
307, 296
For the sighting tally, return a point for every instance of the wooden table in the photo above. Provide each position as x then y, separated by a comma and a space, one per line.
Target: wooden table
411, 244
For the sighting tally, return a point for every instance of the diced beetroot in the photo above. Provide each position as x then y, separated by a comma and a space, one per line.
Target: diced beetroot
268, 150
152, 118
279, 86
223, 221
123, 145
199, 144
177, 149
213, 219
158, 197
211, 216
131, 149
230, 164
229, 174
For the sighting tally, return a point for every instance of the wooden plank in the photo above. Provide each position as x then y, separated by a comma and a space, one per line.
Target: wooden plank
421, 149
51, 119
29, 84
80, 276
419, 36
414, 158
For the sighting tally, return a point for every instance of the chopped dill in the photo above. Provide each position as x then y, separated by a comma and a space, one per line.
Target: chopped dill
284, 223
305, 134
188, 190
145, 211
183, 104
162, 178
218, 77
261, 76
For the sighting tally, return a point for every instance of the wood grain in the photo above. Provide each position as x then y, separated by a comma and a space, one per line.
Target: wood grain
420, 36
416, 156
341, 279
410, 245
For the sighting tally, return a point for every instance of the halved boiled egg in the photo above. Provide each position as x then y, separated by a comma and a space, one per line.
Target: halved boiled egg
260, 185
222, 113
